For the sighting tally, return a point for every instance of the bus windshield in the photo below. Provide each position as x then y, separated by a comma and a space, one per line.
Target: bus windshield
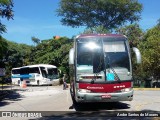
88, 51
102, 55
52, 73
116, 54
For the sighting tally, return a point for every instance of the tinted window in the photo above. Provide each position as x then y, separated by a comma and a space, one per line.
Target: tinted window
16, 71
34, 70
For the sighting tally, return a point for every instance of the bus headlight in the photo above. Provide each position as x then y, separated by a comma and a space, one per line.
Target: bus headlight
84, 90
126, 89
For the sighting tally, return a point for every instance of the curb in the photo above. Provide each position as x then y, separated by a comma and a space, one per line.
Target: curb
147, 89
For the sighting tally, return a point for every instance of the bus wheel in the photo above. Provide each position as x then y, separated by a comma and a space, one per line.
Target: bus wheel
38, 82
72, 91
18, 82
75, 103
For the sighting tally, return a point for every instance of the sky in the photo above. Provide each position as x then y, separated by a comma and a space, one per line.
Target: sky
38, 18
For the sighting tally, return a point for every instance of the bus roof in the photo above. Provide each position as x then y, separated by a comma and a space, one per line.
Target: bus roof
37, 65
100, 35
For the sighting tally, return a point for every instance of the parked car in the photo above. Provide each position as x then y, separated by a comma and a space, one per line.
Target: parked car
156, 84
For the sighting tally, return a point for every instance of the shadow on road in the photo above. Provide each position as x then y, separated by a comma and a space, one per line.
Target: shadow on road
96, 106
9, 96
99, 106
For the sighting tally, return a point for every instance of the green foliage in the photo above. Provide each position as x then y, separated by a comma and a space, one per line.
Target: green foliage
150, 48
3, 47
56, 52
158, 22
98, 29
135, 35
133, 32
90, 13
6, 9
14, 54
35, 40
53, 52
2, 28
5, 12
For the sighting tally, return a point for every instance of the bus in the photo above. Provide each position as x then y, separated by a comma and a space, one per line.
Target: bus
101, 68
40, 74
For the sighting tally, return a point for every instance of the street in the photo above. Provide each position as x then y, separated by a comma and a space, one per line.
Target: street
54, 98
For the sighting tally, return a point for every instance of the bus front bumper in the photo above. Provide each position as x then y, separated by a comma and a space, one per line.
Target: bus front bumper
51, 82
104, 97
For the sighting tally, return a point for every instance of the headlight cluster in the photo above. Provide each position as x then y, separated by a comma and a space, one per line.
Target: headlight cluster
126, 89
84, 90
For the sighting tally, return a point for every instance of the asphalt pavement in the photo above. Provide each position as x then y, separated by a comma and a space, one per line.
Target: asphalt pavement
57, 103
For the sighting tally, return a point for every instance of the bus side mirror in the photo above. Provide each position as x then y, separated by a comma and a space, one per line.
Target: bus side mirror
59, 71
71, 56
138, 54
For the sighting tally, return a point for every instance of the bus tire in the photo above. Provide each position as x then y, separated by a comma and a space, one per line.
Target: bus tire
72, 91
73, 96
75, 103
38, 82
18, 82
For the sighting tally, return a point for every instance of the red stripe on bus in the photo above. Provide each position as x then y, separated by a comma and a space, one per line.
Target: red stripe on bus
105, 87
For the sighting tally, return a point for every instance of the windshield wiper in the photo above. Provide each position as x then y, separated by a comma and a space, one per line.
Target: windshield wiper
97, 66
110, 66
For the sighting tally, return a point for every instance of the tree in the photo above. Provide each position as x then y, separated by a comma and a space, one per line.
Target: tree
3, 47
54, 52
13, 54
5, 12
36, 40
90, 13
133, 32
98, 29
135, 35
150, 48
158, 22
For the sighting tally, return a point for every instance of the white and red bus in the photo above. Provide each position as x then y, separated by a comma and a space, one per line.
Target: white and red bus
101, 68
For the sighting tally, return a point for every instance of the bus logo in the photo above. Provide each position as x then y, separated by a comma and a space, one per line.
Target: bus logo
89, 87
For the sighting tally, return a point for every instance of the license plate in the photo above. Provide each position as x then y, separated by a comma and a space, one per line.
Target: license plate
106, 96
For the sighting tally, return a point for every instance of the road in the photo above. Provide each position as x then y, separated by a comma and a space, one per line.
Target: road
54, 98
